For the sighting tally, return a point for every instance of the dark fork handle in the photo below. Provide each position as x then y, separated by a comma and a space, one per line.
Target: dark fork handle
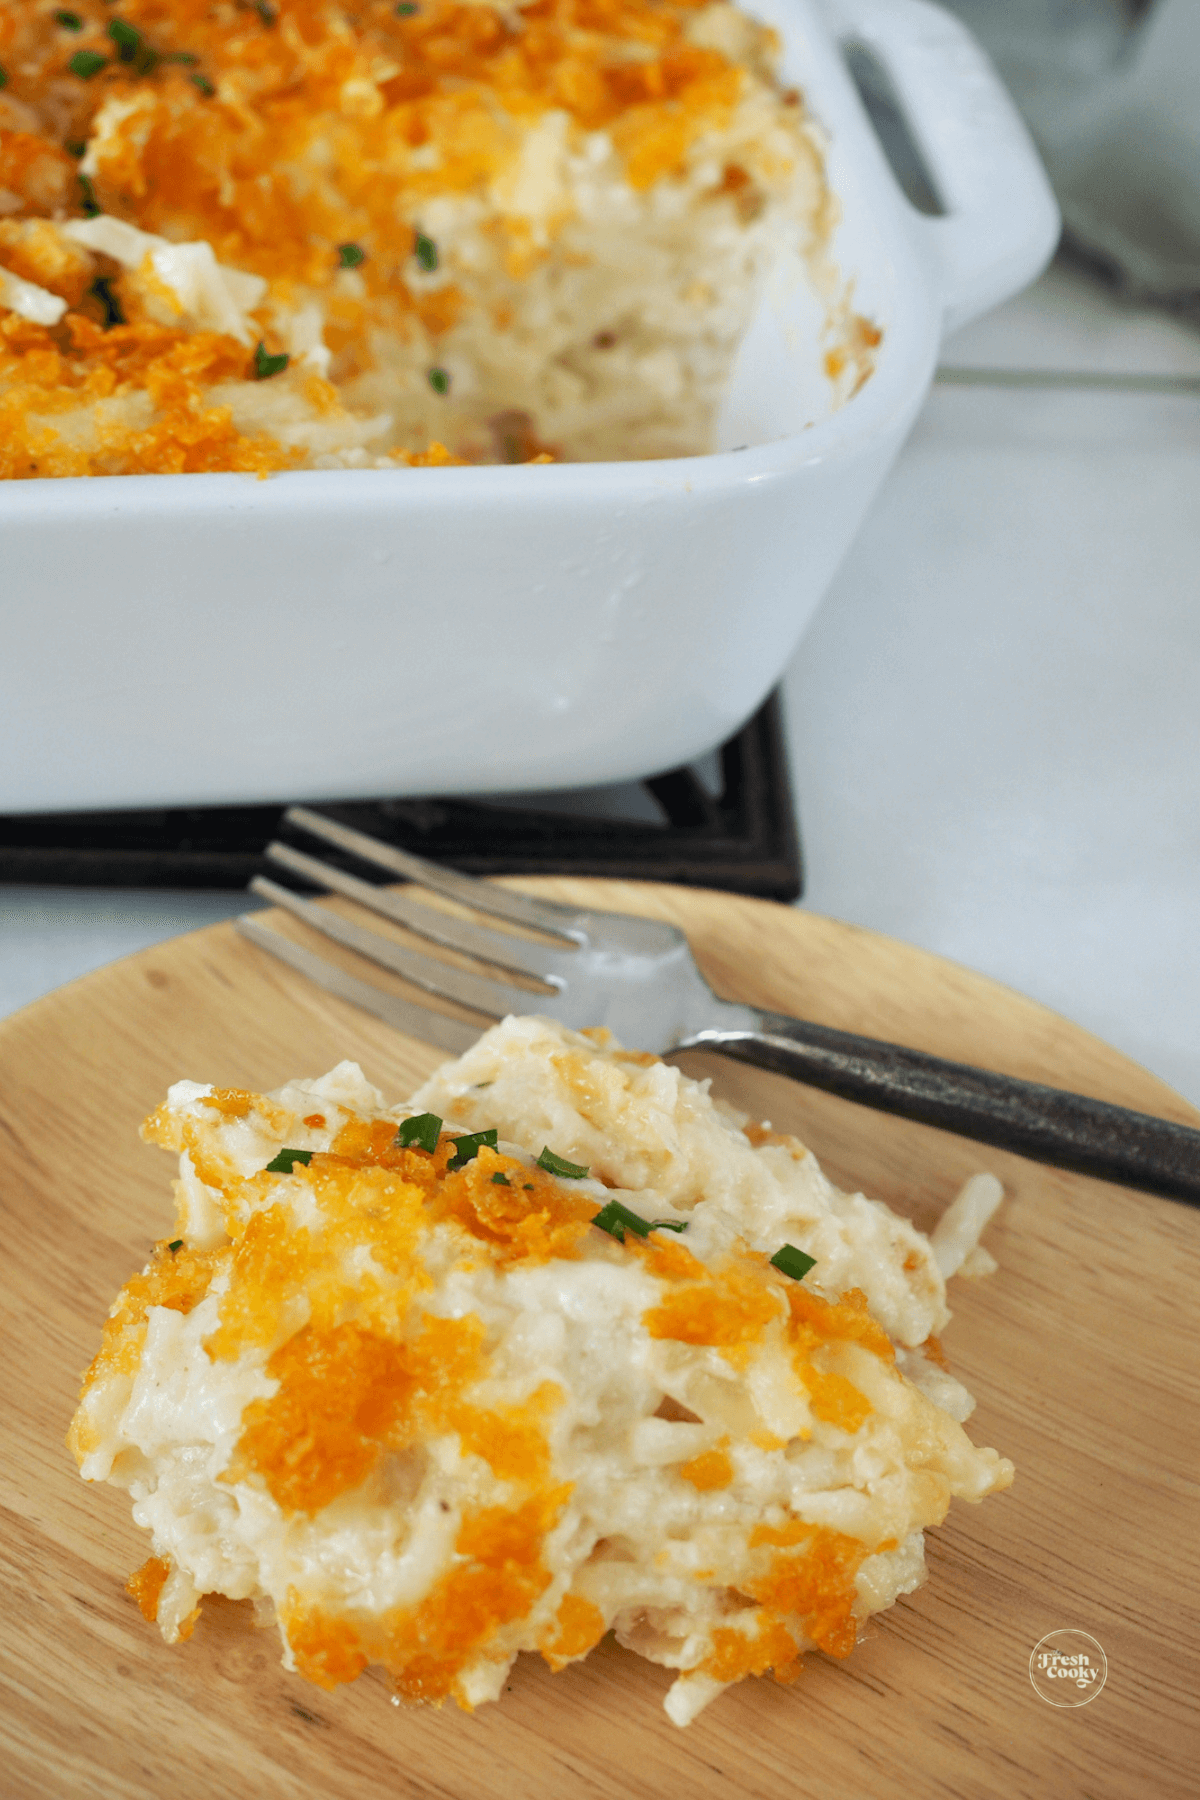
1046, 1124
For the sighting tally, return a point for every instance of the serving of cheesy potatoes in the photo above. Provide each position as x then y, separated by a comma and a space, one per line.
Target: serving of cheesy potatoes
559, 1347
299, 233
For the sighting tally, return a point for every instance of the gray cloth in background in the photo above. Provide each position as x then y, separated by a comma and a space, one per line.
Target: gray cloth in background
1111, 91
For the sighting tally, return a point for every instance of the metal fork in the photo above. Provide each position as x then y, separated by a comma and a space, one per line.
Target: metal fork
638, 978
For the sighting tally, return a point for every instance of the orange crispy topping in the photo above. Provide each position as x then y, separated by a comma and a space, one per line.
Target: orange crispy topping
735, 1654
372, 1143
511, 1439
528, 1217
299, 134
533, 1219
578, 1625
436, 457
762, 1134
239, 1103
814, 1321
33, 249
56, 384
146, 1584
178, 1280
668, 1258
345, 1396
270, 1262
51, 382
834, 1399
498, 1577
327, 1647
708, 1315
813, 1579
730, 1307
280, 135
36, 172
711, 1469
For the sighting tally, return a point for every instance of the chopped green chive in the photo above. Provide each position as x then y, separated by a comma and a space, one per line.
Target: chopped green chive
439, 381
617, 1220
467, 1148
203, 84
425, 251
286, 1160
86, 63
266, 13
419, 1133
75, 147
174, 1245
132, 47
499, 1180
528, 1186
266, 366
3, 77
91, 206
68, 20
102, 289
350, 255
558, 1165
127, 38
180, 56
790, 1261
406, 9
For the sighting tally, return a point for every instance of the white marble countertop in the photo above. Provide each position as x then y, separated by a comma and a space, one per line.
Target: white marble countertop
995, 718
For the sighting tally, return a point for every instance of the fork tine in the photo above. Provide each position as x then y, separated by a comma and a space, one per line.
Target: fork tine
494, 998
519, 909
502, 949
418, 1022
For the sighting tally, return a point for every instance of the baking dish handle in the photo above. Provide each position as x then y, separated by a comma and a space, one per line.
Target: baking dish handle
1001, 221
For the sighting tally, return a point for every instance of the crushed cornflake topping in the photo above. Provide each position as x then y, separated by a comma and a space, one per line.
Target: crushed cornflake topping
326, 178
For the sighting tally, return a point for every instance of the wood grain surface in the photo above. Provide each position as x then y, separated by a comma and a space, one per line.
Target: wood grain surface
1081, 1350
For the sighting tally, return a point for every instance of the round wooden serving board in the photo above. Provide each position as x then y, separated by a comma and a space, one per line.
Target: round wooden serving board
1081, 1351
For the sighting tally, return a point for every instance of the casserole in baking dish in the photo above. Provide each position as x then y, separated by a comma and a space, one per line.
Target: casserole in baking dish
214, 638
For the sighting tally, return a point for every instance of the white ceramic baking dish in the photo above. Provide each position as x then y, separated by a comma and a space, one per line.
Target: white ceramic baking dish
214, 638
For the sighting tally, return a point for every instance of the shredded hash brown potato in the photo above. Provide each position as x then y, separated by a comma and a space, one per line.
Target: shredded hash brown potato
428, 1416
259, 237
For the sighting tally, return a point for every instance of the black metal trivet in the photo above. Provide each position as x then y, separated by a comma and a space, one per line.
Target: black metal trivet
741, 838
